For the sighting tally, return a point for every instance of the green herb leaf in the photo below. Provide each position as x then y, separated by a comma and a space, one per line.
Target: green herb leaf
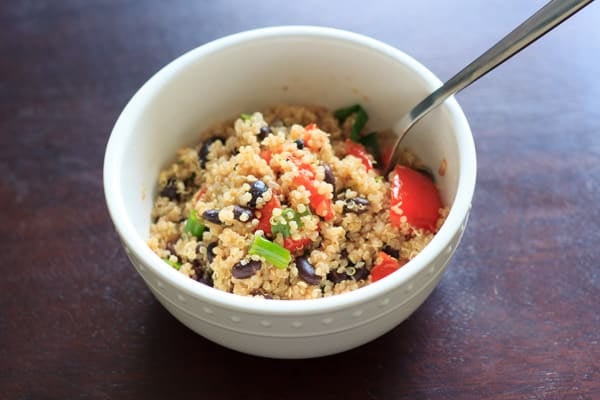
344, 113
246, 117
359, 124
282, 228
193, 225
371, 145
273, 253
281, 224
173, 264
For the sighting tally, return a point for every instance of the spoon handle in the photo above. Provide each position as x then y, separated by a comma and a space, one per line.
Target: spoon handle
545, 19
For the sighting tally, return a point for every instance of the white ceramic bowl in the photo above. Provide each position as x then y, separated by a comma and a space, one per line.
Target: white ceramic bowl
246, 72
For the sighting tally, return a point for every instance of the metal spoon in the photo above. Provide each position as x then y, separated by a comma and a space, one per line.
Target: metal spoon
544, 20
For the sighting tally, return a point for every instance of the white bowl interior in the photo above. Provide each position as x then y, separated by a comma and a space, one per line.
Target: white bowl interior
276, 69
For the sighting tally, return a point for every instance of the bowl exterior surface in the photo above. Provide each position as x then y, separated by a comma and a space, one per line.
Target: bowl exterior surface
243, 73
301, 336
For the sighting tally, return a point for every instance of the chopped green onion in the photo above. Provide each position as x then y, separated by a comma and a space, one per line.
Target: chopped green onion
344, 113
288, 213
281, 224
302, 214
379, 178
193, 225
281, 227
371, 144
292, 215
246, 117
273, 253
359, 124
173, 264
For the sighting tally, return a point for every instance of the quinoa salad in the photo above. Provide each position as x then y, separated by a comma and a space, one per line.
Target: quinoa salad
289, 203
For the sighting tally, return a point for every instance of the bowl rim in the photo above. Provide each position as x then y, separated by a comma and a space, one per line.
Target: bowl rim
115, 153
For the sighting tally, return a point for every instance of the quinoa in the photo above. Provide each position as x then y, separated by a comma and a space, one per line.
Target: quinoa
283, 174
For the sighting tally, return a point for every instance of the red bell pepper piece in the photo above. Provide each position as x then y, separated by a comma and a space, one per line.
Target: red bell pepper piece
296, 245
266, 155
199, 194
322, 206
358, 150
305, 169
416, 196
264, 223
308, 135
386, 266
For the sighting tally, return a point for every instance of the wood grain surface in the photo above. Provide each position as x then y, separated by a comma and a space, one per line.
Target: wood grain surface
516, 316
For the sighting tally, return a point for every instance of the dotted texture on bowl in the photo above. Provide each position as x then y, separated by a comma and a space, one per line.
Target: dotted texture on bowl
202, 312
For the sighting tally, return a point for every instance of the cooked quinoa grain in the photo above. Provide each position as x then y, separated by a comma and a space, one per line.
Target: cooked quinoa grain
279, 205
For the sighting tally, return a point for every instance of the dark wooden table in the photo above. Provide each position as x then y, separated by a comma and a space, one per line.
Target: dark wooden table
516, 316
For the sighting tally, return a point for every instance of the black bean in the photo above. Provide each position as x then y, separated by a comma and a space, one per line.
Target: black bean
337, 277
170, 190
245, 268
257, 189
360, 274
171, 248
307, 271
264, 132
205, 149
203, 274
389, 250
299, 144
211, 216
356, 205
198, 267
206, 279
190, 180
329, 177
242, 214
210, 255
344, 253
